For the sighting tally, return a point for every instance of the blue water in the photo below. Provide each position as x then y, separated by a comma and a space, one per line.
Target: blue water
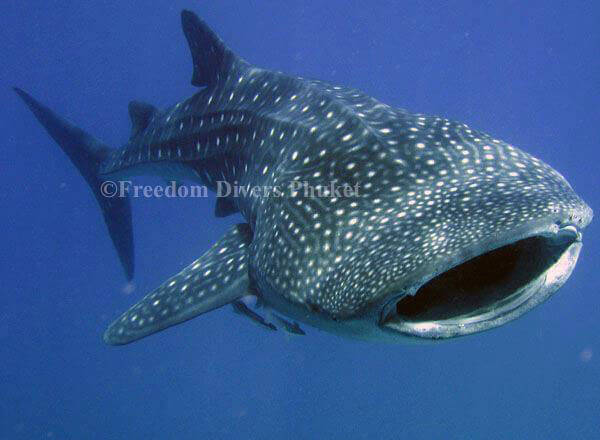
524, 72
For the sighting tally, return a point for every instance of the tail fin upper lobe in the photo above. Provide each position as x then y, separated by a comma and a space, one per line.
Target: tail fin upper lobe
87, 153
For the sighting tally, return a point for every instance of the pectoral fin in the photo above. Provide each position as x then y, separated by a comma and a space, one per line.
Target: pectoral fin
217, 278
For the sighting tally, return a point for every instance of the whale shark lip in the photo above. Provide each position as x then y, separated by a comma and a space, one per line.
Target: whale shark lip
489, 288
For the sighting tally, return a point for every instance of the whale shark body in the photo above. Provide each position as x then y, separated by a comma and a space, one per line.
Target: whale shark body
447, 231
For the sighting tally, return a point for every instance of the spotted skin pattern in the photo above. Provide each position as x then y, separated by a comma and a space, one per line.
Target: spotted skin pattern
213, 280
429, 192
428, 187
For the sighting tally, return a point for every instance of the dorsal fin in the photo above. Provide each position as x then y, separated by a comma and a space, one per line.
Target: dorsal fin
141, 114
210, 55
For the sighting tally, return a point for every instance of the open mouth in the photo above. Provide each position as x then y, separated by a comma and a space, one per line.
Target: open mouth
488, 290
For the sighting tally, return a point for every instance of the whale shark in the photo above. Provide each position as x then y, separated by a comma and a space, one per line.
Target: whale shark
359, 219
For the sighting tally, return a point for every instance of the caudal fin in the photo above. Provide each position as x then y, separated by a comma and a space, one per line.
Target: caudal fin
87, 153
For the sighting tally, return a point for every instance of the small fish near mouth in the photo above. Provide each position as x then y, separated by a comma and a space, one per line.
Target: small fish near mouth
488, 290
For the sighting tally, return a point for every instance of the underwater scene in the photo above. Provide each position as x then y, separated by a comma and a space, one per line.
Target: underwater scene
300, 219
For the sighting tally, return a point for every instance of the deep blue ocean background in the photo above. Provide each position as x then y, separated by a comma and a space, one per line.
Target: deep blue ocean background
525, 72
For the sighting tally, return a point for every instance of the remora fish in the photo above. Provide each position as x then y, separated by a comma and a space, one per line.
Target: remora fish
450, 231
241, 308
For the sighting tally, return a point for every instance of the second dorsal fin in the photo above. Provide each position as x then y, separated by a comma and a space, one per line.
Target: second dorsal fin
141, 114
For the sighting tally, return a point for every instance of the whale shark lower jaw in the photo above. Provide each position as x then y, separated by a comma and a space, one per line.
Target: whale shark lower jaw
486, 289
